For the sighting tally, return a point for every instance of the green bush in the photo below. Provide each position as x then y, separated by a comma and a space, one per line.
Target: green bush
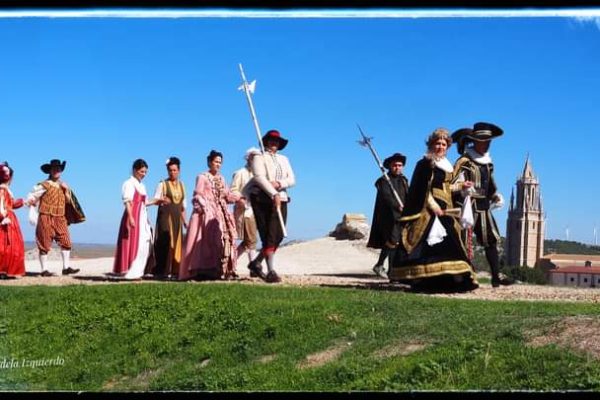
526, 274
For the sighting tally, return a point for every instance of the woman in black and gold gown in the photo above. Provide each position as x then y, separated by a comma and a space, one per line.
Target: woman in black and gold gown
432, 255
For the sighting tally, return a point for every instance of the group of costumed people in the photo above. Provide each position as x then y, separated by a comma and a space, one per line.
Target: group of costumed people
427, 235
424, 229
202, 248
207, 249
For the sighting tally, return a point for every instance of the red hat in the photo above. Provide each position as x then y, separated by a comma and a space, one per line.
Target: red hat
274, 134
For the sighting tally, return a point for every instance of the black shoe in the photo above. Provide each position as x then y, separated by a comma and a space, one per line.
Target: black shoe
272, 277
47, 273
468, 285
70, 270
3, 276
504, 282
255, 268
253, 274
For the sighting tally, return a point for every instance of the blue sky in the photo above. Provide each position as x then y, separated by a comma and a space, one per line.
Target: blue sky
101, 92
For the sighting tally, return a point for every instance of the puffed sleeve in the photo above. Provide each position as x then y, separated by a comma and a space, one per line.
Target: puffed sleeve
36, 193
127, 191
158, 194
289, 180
184, 196
259, 170
199, 199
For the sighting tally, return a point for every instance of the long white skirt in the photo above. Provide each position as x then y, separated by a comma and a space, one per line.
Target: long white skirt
136, 270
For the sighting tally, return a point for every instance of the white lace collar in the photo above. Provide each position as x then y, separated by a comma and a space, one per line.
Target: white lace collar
139, 186
479, 158
443, 164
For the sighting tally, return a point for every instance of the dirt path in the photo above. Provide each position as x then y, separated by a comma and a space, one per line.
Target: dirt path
324, 262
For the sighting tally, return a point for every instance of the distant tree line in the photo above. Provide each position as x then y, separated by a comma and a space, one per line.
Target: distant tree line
569, 247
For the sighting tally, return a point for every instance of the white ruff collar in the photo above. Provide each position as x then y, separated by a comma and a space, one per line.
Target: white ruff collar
443, 164
479, 158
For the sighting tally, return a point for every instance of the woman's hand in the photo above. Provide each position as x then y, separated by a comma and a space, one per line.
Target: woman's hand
467, 184
131, 222
241, 202
439, 212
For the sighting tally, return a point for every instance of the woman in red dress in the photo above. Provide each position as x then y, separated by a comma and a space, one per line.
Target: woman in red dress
12, 249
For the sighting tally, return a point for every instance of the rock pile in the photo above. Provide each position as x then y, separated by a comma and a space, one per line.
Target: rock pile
352, 227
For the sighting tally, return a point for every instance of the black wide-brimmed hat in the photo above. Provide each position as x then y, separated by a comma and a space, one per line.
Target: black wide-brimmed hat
481, 132
393, 158
274, 134
53, 163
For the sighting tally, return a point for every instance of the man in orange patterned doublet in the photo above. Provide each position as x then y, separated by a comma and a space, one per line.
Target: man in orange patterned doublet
52, 195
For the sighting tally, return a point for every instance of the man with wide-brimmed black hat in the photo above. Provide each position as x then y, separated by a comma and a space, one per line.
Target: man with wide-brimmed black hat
385, 226
475, 165
272, 176
53, 195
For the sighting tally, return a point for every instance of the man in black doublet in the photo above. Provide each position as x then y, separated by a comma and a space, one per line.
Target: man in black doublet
385, 229
475, 165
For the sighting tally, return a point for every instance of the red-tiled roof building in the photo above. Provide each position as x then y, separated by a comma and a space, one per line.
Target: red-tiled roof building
576, 275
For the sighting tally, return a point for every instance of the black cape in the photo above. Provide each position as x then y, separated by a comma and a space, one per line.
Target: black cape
386, 214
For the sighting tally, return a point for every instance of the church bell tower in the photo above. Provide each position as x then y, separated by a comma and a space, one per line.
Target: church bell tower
525, 225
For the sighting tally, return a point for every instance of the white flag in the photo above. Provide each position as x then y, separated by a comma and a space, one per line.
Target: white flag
251, 86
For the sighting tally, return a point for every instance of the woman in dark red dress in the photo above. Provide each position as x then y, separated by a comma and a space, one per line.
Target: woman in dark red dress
12, 249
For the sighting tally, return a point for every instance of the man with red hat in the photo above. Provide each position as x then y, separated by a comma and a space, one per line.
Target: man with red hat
273, 175
53, 196
475, 165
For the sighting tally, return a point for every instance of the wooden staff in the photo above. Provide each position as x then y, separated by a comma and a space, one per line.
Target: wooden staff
248, 89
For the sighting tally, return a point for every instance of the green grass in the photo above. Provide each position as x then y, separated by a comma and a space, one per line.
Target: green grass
211, 337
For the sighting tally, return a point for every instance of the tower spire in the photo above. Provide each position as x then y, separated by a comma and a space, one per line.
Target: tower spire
526, 224
512, 198
528, 170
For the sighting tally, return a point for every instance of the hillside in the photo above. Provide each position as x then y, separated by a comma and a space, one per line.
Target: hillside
569, 247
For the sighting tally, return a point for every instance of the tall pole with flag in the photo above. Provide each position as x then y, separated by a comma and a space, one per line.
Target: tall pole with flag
248, 89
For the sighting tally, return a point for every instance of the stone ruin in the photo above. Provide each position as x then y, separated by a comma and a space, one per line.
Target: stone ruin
352, 227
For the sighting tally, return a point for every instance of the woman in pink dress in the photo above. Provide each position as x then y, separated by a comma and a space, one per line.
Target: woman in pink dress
210, 243
12, 249
135, 235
